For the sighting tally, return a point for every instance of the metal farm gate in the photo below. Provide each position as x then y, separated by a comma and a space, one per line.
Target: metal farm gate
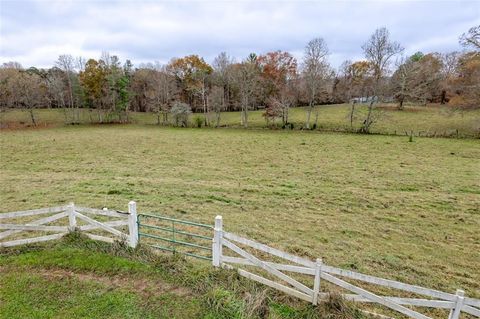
175, 235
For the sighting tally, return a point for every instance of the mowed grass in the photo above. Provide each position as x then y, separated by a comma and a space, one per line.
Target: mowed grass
427, 121
381, 205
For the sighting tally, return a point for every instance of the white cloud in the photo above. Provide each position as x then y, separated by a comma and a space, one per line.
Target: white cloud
36, 32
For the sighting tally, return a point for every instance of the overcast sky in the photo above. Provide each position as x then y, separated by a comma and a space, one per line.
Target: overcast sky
35, 32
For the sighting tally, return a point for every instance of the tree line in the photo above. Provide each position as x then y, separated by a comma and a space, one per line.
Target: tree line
274, 81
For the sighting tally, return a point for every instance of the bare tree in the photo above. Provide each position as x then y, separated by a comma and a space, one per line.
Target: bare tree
417, 79
10, 95
246, 77
279, 106
287, 98
449, 73
162, 91
217, 102
57, 87
402, 79
471, 38
222, 75
32, 93
378, 50
80, 63
449, 63
315, 68
203, 77
66, 63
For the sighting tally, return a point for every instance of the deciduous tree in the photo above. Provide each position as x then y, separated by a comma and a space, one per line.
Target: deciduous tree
471, 39
417, 79
94, 80
315, 69
192, 74
467, 83
217, 101
246, 77
66, 63
222, 75
162, 90
279, 73
33, 91
378, 50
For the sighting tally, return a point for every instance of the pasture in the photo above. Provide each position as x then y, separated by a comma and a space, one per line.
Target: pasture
380, 205
427, 121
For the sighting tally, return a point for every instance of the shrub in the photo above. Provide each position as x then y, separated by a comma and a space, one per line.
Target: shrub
180, 112
198, 120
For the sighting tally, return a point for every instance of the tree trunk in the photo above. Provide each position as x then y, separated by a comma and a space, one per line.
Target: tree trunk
205, 113
245, 113
70, 92
367, 122
316, 117
32, 117
352, 111
245, 117
218, 119
77, 115
443, 98
309, 113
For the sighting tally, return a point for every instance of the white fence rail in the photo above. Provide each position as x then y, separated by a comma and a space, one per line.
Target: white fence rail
456, 303
74, 214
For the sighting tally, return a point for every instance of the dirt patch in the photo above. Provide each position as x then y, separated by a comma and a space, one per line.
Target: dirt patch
144, 286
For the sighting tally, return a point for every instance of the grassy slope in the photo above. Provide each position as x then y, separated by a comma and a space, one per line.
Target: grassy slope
68, 282
78, 278
426, 120
378, 204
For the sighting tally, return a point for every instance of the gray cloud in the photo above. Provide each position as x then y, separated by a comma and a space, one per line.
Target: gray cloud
35, 32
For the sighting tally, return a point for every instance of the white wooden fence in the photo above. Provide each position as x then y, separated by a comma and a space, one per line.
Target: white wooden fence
456, 303
76, 215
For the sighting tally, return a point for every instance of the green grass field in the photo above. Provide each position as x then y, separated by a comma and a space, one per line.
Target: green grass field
79, 278
426, 121
381, 205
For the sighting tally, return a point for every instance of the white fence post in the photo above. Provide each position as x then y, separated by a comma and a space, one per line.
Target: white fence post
132, 224
217, 242
455, 312
316, 283
72, 221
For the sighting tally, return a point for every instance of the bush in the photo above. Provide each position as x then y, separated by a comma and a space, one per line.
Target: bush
198, 120
180, 112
